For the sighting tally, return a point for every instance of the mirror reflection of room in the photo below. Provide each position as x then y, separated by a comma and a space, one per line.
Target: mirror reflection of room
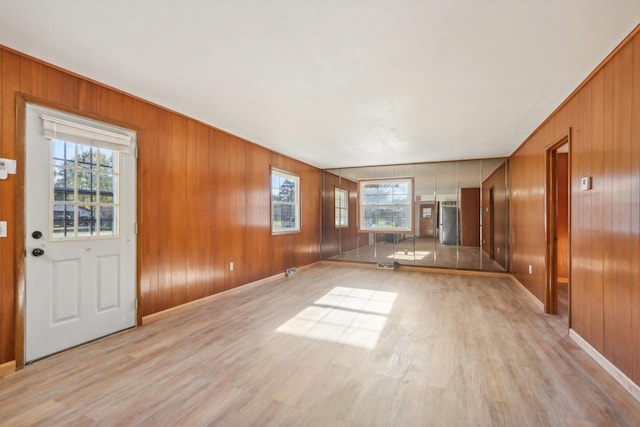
458, 215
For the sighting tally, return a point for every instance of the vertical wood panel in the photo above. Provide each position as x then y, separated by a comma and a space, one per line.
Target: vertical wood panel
581, 278
6, 347
10, 73
239, 220
88, 97
470, 216
163, 192
149, 213
258, 212
180, 215
635, 212
501, 215
594, 305
221, 212
62, 88
33, 78
618, 287
213, 214
191, 211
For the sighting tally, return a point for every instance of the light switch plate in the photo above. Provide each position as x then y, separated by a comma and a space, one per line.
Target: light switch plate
585, 183
10, 164
3, 228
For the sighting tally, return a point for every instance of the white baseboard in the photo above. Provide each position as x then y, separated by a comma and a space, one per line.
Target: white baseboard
616, 373
535, 300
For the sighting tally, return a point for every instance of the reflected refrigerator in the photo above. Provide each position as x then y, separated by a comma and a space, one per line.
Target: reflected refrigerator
449, 225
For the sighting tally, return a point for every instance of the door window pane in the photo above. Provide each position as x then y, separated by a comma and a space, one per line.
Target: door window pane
84, 188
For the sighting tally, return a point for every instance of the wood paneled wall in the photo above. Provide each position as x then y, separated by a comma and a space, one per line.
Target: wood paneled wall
498, 181
470, 216
603, 114
347, 238
203, 195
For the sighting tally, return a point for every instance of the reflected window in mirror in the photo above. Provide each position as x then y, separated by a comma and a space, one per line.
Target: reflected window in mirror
386, 205
341, 197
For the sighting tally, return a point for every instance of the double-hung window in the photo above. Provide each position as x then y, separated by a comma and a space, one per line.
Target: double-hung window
285, 202
386, 205
341, 207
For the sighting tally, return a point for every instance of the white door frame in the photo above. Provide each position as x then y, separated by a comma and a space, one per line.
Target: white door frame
19, 209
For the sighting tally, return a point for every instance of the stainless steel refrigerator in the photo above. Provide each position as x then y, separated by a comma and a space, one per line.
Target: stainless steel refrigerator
449, 225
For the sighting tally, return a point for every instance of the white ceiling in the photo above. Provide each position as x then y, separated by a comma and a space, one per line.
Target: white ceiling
337, 82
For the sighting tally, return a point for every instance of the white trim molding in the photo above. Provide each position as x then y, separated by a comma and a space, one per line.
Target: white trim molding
616, 373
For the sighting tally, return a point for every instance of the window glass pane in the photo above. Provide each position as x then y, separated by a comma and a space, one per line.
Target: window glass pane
86, 180
371, 200
401, 222
108, 226
285, 202
86, 157
386, 206
63, 179
385, 199
60, 153
93, 178
64, 153
107, 184
86, 197
105, 158
341, 207
400, 188
63, 220
86, 220
370, 189
400, 199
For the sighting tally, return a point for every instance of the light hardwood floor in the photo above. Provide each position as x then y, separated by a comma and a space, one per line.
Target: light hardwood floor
333, 346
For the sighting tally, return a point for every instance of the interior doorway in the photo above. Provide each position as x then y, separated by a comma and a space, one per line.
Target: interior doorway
557, 218
492, 240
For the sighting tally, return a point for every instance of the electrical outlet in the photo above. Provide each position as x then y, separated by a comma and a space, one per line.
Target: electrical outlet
3, 228
530, 269
231, 266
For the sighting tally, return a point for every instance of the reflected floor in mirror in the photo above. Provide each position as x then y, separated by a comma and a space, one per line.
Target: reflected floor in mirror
423, 251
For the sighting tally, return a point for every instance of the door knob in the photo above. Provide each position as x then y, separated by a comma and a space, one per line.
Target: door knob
36, 234
37, 252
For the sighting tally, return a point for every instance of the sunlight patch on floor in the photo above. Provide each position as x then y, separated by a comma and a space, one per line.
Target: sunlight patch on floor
349, 316
408, 255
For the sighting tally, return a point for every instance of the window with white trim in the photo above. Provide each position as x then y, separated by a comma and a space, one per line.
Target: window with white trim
285, 202
85, 175
386, 205
341, 197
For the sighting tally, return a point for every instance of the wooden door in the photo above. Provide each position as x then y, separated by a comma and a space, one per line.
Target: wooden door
428, 219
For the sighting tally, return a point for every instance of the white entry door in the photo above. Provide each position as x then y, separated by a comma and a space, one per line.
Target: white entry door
80, 231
